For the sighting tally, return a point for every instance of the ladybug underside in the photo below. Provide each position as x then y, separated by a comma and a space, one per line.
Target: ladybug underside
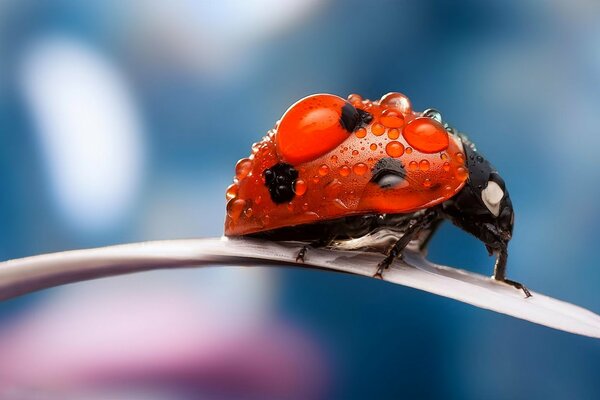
367, 232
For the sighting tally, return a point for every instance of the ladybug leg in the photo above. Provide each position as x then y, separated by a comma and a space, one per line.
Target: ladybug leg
315, 244
301, 254
411, 232
500, 273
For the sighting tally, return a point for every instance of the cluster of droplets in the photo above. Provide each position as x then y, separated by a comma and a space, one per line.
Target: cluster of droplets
406, 131
395, 131
262, 157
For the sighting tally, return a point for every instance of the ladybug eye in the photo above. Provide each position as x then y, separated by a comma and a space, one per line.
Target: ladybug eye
492, 195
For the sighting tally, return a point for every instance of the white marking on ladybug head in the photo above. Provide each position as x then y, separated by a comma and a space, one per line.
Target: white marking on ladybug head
492, 195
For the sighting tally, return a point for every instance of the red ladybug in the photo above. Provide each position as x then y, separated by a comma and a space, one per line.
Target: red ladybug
369, 175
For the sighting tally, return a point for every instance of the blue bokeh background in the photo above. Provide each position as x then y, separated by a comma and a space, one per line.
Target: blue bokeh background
203, 80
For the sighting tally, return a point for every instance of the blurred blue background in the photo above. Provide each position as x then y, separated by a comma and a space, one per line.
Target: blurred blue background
122, 120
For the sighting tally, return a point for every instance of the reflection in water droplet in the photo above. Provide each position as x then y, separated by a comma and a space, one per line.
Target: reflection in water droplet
323, 170
242, 168
461, 173
377, 129
392, 118
394, 149
235, 208
360, 169
393, 133
355, 99
231, 192
300, 187
397, 101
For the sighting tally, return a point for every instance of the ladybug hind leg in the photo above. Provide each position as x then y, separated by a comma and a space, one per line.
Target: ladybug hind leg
427, 220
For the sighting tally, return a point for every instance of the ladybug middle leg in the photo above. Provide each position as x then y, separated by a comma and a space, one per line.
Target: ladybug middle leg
322, 242
424, 221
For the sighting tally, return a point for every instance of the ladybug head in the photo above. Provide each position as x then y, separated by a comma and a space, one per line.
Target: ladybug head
483, 206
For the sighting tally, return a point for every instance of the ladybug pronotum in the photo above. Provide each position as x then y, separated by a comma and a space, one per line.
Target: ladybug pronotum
367, 175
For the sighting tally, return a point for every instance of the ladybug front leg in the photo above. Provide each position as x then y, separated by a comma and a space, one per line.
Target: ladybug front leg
500, 272
414, 228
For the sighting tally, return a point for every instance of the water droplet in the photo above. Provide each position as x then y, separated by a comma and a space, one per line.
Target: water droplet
426, 135
448, 188
373, 146
305, 207
323, 170
460, 157
413, 166
446, 167
249, 211
360, 169
427, 182
290, 206
316, 179
354, 152
479, 159
300, 187
377, 129
266, 219
361, 133
393, 133
334, 158
231, 192
461, 173
444, 156
408, 150
242, 168
344, 170
424, 165
392, 118
397, 101
394, 149
235, 208
355, 99
258, 199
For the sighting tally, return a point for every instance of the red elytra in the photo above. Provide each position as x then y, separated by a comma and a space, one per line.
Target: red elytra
335, 167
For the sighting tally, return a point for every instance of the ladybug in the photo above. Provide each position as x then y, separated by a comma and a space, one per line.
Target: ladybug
368, 175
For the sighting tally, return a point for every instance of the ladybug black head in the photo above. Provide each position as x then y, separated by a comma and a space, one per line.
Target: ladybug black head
483, 206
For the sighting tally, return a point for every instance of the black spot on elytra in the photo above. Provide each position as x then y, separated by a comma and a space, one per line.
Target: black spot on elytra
280, 179
353, 118
388, 172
